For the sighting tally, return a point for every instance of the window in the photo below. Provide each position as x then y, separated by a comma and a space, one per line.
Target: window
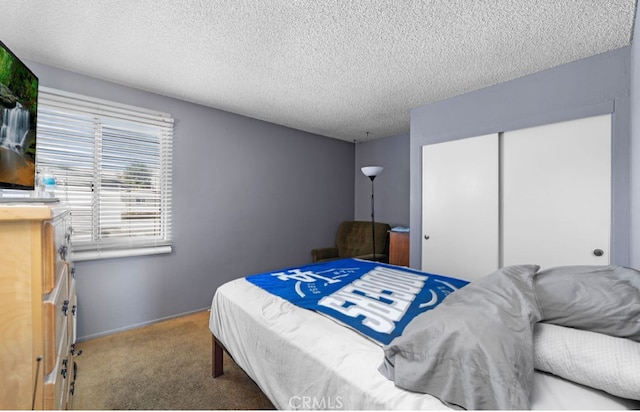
113, 166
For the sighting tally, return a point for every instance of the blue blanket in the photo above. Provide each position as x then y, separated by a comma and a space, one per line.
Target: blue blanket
375, 299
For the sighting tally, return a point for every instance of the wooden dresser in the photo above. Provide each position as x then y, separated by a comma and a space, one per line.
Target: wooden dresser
399, 248
38, 307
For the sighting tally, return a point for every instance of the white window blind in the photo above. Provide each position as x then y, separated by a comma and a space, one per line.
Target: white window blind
113, 167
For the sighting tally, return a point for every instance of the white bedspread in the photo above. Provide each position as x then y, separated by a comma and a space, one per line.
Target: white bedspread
303, 360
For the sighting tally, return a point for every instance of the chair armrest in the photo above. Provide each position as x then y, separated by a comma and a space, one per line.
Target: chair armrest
324, 253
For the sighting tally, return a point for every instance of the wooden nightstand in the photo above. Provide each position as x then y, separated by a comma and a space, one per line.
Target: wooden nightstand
399, 248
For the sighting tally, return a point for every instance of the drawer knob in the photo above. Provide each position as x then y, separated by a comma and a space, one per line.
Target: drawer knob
73, 351
63, 371
62, 250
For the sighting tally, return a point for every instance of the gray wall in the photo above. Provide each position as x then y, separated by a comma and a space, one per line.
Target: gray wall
248, 196
251, 196
635, 150
391, 187
592, 86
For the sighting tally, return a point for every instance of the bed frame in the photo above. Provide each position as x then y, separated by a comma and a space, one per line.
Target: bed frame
217, 352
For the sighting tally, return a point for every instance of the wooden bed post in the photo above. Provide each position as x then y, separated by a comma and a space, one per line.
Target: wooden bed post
216, 357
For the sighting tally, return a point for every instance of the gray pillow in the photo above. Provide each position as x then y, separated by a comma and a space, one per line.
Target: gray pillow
604, 299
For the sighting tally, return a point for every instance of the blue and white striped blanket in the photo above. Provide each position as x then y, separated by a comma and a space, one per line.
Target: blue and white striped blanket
375, 299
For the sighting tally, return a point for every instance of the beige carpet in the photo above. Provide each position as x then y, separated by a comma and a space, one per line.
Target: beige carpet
166, 365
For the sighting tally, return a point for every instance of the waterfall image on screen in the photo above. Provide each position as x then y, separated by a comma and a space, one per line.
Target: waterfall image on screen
18, 110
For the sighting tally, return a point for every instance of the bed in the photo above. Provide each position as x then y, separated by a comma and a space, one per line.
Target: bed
303, 359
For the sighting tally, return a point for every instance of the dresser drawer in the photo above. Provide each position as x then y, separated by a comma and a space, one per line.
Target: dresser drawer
73, 308
56, 311
56, 384
56, 249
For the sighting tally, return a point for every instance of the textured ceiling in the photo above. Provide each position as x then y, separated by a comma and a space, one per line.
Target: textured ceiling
338, 68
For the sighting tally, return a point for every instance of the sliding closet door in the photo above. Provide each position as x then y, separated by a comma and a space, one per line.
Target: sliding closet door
556, 194
460, 207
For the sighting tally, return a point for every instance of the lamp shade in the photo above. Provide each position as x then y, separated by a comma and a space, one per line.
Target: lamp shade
372, 171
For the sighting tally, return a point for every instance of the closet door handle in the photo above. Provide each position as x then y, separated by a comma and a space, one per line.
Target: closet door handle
426, 237
598, 252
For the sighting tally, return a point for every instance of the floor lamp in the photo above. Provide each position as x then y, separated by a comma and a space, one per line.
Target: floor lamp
371, 172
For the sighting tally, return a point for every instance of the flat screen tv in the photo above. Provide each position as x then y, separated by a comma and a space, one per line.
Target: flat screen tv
18, 110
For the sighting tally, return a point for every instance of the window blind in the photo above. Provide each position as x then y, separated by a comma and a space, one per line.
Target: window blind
113, 167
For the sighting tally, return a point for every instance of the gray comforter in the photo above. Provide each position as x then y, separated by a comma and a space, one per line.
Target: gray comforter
475, 350
481, 333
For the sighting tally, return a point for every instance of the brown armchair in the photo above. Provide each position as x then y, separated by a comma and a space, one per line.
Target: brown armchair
354, 240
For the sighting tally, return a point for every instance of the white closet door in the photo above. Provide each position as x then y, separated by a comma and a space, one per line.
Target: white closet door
460, 207
556, 190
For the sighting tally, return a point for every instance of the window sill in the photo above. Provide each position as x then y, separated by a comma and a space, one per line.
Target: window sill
109, 254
